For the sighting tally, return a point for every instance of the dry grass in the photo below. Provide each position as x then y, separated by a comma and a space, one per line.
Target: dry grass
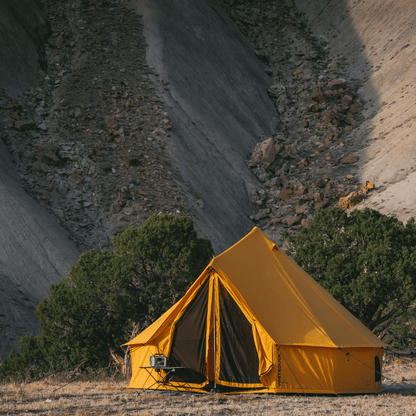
109, 397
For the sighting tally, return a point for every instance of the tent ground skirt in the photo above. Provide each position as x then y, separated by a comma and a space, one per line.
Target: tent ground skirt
310, 370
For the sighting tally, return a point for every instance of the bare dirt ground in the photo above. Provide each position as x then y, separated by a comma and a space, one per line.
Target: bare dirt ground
110, 397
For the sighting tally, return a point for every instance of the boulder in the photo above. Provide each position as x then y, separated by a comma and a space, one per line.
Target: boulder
264, 152
349, 159
351, 200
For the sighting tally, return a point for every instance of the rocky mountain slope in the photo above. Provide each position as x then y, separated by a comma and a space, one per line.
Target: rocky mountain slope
234, 113
378, 43
35, 251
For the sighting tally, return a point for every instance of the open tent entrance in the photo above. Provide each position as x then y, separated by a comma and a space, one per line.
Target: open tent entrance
189, 340
239, 361
232, 360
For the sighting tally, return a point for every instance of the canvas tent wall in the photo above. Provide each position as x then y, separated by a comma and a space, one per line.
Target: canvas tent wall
255, 320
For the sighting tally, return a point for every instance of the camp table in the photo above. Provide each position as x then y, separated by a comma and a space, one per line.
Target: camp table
165, 380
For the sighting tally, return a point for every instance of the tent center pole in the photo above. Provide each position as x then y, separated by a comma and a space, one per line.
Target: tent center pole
215, 336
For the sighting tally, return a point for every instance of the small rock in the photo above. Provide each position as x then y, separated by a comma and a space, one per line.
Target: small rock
319, 96
76, 178
291, 221
39, 168
286, 194
54, 59
346, 100
63, 191
106, 167
333, 66
44, 195
336, 84
47, 158
276, 220
23, 125
355, 108
302, 209
59, 213
117, 206
56, 42
65, 155
262, 214
306, 222
43, 126
274, 182
328, 117
322, 204
263, 176
349, 159
320, 183
5, 103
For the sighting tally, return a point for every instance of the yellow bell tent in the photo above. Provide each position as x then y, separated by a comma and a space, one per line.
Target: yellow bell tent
256, 321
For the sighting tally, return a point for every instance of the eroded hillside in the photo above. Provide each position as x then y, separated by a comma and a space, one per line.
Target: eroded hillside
233, 113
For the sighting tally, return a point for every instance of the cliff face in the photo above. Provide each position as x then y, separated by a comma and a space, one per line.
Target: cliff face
35, 252
115, 110
378, 41
218, 104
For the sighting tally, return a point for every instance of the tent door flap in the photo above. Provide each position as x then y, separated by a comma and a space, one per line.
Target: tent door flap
239, 361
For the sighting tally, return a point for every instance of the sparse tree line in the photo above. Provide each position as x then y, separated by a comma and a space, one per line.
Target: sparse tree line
366, 260
94, 308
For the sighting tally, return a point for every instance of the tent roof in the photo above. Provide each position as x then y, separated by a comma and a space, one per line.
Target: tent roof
291, 306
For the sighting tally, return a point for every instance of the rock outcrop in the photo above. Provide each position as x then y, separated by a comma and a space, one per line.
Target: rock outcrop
377, 41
